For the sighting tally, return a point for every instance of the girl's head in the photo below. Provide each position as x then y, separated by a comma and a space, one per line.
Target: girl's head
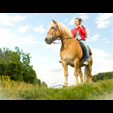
78, 21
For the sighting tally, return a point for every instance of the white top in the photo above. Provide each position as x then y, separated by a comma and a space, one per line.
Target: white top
77, 36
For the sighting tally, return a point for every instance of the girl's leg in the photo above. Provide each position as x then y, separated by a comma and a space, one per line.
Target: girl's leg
86, 47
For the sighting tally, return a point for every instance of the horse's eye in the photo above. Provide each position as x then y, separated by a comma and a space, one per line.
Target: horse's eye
52, 27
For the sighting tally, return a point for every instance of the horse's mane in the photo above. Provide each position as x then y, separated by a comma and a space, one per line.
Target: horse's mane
62, 27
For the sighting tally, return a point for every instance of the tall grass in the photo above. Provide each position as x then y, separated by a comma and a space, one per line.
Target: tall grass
9, 89
20, 90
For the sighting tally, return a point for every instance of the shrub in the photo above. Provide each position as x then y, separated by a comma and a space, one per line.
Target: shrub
16, 65
102, 76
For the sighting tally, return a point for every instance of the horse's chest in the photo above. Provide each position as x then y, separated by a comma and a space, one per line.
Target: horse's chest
68, 59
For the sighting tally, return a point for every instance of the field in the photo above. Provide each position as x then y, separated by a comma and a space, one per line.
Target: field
18, 81
12, 90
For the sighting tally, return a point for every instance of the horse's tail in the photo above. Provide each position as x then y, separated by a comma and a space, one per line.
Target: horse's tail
90, 52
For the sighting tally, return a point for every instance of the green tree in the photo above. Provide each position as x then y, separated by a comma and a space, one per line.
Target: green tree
102, 76
16, 64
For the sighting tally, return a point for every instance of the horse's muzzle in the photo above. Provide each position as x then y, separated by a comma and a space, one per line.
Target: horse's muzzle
49, 40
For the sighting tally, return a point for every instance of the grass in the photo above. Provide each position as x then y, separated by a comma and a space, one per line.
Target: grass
23, 91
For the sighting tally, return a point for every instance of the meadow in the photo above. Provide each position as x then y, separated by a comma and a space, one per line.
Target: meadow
14, 90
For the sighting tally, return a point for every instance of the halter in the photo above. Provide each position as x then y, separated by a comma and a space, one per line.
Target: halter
53, 32
55, 35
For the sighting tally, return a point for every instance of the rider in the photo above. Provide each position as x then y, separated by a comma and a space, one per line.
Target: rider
79, 33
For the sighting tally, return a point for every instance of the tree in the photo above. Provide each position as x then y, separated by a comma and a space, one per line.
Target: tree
102, 76
16, 64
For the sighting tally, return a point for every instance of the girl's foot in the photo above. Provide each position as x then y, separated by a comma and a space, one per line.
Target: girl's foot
86, 62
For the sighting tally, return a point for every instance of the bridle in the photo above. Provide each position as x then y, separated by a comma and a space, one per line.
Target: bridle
55, 35
53, 32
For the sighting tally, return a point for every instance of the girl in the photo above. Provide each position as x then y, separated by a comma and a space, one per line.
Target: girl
79, 33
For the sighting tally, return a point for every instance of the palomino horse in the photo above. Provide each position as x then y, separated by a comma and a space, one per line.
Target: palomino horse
70, 52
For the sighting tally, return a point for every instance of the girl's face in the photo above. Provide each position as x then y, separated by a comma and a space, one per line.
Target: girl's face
77, 22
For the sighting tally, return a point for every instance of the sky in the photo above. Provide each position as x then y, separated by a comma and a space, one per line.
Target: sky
28, 31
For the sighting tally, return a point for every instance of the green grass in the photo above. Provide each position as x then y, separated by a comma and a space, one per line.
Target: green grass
20, 90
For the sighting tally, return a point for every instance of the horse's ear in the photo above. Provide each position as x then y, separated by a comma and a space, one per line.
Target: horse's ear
54, 22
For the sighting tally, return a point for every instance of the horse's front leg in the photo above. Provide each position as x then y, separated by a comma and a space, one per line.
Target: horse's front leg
81, 76
65, 73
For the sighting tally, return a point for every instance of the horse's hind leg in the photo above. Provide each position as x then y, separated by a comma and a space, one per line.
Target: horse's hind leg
81, 76
76, 64
90, 69
88, 74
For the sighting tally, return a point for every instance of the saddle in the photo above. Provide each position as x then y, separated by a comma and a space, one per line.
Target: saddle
83, 50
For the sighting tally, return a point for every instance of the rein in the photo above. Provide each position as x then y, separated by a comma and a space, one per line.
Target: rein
62, 39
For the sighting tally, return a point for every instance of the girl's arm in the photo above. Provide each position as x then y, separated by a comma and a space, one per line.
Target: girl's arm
82, 30
73, 33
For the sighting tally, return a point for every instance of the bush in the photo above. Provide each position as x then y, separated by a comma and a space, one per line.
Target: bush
16, 64
6, 82
102, 76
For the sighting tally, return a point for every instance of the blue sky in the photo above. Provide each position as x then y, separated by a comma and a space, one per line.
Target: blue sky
28, 30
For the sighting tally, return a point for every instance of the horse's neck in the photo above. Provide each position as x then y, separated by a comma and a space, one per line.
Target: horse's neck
65, 42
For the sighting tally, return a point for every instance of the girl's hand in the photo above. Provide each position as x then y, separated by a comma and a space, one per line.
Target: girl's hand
76, 27
81, 25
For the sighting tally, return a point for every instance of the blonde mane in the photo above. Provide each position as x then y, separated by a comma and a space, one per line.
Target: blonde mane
62, 27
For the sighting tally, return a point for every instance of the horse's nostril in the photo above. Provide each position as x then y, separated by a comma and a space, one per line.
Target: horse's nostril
48, 40
45, 39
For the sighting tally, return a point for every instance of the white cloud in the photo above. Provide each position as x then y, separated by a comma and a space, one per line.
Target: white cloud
101, 61
104, 39
29, 40
71, 22
18, 18
103, 20
107, 42
98, 53
23, 29
55, 47
10, 20
66, 20
49, 76
39, 29
56, 68
94, 38
10, 38
53, 74
84, 16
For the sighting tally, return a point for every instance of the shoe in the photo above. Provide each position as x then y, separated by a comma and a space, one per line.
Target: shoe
86, 62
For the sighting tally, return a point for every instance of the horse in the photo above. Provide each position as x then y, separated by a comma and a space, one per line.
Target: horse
71, 52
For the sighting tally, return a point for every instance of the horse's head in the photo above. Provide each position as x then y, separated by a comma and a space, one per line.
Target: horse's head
53, 32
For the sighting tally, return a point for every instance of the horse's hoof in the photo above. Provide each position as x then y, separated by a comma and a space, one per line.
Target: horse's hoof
64, 86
